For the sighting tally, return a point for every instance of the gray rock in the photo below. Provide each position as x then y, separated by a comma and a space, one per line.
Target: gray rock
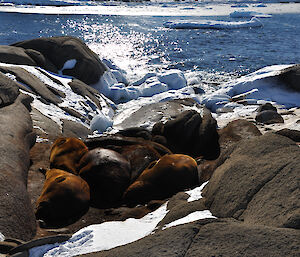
9, 90
17, 219
269, 117
74, 129
15, 55
58, 50
291, 77
258, 182
34, 84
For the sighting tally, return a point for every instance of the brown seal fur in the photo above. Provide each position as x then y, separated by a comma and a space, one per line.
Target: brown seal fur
163, 178
66, 153
108, 175
65, 197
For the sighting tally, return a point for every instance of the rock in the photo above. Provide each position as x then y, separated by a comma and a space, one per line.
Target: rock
74, 129
291, 77
218, 238
258, 182
191, 134
84, 90
17, 218
290, 133
269, 117
59, 50
266, 107
251, 240
15, 55
40, 60
108, 175
153, 113
33, 84
163, 178
9, 90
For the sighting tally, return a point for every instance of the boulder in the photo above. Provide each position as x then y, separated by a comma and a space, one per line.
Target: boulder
269, 117
32, 84
15, 55
9, 90
17, 218
290, 133
258, 183
59, 50
191, 134
291, 77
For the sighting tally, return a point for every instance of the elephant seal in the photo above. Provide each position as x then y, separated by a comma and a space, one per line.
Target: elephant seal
161, 179
66, 153
65, 197
108, 174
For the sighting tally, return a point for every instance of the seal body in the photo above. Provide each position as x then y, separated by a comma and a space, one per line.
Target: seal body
65, 197
66, 153
108, 174
161, 179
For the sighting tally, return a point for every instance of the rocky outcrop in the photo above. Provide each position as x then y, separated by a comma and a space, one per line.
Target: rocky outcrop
16, 214
189, 133
267, 114
258, 183
291, 77
56, 51
9, 90
15, 55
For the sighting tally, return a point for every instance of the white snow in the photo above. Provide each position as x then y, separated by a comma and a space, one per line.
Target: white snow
212, 24
197, 215
2, 237
69, 64
261, 85
248, 14
101, 123
196, 193
104, 236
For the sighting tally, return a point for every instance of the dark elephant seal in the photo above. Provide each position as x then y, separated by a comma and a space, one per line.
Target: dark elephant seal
161, 179
65, 197
108, 175
66, 153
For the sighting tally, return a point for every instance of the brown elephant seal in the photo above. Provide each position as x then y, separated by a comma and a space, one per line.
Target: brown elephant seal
108, 174
65, 197
66, 153
161, 179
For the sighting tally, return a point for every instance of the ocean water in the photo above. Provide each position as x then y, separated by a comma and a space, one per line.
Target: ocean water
141, 43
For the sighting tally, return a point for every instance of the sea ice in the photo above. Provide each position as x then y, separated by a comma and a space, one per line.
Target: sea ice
211, 24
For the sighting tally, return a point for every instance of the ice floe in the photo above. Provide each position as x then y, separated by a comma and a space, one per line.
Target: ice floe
211, 24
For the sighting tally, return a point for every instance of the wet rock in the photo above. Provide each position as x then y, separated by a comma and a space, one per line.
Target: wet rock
59, 50
291, 77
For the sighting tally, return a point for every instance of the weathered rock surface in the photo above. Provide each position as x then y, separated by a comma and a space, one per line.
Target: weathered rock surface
291, 77
191, 134
15, 55
9, 90
58, 50
16, 214
258, 183
269, 117
213, 238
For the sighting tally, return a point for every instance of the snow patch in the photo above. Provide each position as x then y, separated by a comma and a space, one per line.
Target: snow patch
196, 193
248, 14
197, 215
103, 236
